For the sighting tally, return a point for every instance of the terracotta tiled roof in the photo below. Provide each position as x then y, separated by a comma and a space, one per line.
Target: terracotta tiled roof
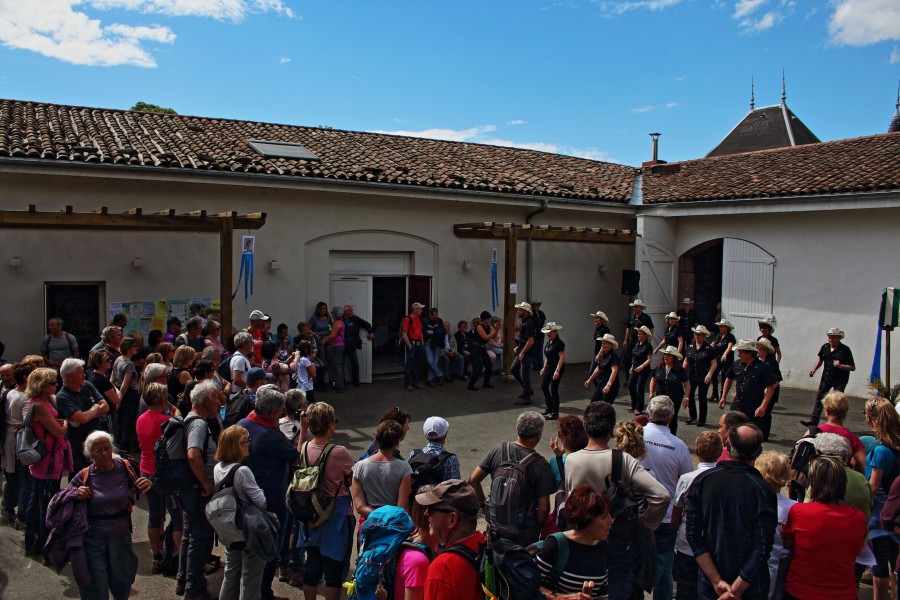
50, 132
863, 164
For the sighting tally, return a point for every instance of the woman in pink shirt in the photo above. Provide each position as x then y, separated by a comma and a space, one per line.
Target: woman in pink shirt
412, 562
837, 405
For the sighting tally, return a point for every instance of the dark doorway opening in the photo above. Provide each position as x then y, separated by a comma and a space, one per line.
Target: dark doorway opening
700, 277
391, 299
78, 305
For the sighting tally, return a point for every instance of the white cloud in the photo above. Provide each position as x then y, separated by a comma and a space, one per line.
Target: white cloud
624, 7
864, 22
671, 105
895, 55
477, 135
767, 21
742, 8
754, 16
284, 60
516, 122
642, 109
62, 29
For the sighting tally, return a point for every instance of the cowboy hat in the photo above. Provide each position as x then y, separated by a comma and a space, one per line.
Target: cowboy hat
638, 303
687, 301
610, 338
725, 323
601, 315
766, 345
672, 315
672, 351
835, 331
700, 330
524, 306
551, 326
768, 322
748, 345
646, 330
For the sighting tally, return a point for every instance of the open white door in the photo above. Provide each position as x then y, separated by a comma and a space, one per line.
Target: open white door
356, 290
747, 286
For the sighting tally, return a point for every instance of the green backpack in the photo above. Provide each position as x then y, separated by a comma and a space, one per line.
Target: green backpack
304, 495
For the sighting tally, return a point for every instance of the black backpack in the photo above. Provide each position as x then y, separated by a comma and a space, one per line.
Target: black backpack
622, 502
514, 573
799, 458
237, 408
428, 469
507, 513
173, 474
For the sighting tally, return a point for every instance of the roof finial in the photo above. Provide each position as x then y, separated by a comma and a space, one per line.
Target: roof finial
895, 121
752, 100
783, 89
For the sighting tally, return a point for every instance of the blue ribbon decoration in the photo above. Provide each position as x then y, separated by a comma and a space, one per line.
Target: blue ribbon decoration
875, 373
246, 273
495, 293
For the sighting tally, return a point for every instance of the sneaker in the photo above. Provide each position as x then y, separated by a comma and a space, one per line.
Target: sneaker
157, 565
552, 417
410, 388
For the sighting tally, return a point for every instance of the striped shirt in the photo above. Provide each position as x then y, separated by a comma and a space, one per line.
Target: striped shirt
586, 563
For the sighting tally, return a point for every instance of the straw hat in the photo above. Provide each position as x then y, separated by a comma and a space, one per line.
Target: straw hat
601, 315
608, 337
687, 301
672, 351
672, 315
525, 306
766, 345
748, 345
646, 330
700, 330
725, 323
768, 321
551, 326
638, 303
835, 331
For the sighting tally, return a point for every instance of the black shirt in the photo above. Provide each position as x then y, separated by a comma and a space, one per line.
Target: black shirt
640, 353
772, 339
606, 364
462, 341
599, 332
527, 330
720, 345
751, 382
552, 350
432, 331
699, 360
670, 384
68, 403
351, 330
831, 374
101, 382
671, 336
635, 323
687, 322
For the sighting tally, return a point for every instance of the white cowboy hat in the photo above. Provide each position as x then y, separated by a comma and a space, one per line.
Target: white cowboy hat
687, 301
551, 326
768, 321
725, 323
765, 344
638, 303
748, 345
700, 330
525, 306
672, 351
835, 331
608, 337
672, 315
600, 314
646, 330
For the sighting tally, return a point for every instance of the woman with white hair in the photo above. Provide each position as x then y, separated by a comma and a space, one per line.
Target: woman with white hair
108, 486
334, 350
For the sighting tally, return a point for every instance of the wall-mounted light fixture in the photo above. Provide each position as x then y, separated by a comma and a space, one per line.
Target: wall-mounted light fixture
603, 268
466, 265
15, 262
274, 265
138, 263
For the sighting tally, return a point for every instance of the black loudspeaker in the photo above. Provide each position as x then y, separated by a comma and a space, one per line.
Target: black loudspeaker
631, 282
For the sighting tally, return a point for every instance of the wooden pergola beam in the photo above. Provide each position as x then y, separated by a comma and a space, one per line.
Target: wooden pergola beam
511, 233
134, 219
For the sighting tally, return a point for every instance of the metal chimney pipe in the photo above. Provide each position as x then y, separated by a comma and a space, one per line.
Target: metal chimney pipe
655, 141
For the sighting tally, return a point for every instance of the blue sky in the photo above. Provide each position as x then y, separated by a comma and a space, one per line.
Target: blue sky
585, 77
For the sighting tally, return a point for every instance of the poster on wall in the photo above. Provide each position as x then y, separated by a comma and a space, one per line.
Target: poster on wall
147, 315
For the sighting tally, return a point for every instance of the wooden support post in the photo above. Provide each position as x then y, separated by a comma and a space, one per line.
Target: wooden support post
509, 299
226, 254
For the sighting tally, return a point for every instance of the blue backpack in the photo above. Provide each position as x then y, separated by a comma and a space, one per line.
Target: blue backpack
383, 533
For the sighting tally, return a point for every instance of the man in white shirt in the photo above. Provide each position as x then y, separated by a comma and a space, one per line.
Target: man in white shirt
668, 458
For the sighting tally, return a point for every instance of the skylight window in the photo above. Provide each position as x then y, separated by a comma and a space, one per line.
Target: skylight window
269, 149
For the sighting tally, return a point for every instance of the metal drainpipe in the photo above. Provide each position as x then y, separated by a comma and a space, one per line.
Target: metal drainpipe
528, 264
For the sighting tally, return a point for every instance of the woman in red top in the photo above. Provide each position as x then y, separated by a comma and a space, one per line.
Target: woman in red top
47, 472
156, 395
826, 536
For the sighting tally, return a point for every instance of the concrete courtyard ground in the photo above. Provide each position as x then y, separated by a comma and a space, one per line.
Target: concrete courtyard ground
478, 420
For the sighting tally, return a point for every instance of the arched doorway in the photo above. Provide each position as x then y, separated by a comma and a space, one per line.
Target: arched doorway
729, 278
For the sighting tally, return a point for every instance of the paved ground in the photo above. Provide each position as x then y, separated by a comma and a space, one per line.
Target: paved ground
478, 420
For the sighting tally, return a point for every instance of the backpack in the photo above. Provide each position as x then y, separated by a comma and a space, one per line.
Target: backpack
223, 511
428, 469
169, 564
29, 447
506, 511
304, 495
382, 536
622, 503
224, 369
562, 559
507, 571
69, 338
803, 451
237, 408
173, 474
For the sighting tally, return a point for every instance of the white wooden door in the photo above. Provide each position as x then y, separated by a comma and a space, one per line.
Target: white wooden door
356, 290
748, 274
657, 283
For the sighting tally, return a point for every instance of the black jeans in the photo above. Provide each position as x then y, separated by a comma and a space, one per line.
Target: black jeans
521, 372
824, 388
610, 396
350, 356
413, 364
36, 532
197, 543
480, 362
636, 383
550, 387
685, 572
699, 389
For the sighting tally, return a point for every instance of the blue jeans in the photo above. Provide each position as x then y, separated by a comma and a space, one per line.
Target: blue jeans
665, 536
453, 366
36, 532
113, 566
197, 543
432, 355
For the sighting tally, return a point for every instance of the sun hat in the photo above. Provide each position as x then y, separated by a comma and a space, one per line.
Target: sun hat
435, 428
748, 345
687, 301
672, 351
646, 330
725, 323
524, 306
551, 326
768, 321
608, 337
835, 331
601, 315
701, 330
455, 493
672, 315
638, 303
765, 344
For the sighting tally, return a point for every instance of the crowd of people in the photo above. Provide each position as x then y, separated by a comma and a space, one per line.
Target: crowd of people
601, 520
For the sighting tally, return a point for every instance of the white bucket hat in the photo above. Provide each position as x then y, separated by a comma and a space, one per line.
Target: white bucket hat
725, 323
525, 306
638, 303
835, 331
608, 337
701, 329
672, 351
600, 314
748, 345
551, 326
672, 315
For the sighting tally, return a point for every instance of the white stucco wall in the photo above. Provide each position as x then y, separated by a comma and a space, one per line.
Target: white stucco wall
302, 228
831, 268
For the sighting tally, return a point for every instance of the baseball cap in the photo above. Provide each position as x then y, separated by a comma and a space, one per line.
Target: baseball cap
418, 305
258, 315
455, 493
255, 374
435, 428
